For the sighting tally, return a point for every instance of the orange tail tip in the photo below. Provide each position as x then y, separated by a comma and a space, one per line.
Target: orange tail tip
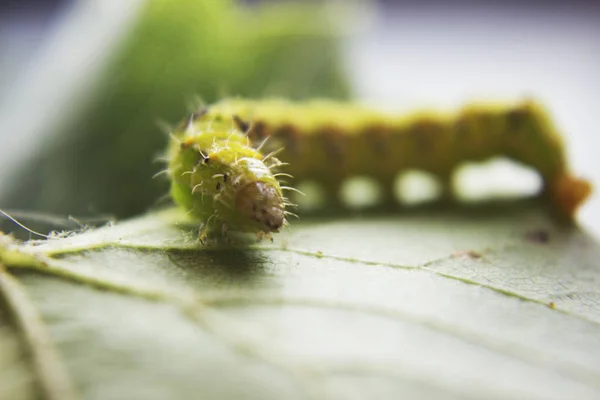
568, 193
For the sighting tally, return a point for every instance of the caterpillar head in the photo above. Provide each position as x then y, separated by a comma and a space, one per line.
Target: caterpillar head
568, 193
224, 182
258, 200
263, 204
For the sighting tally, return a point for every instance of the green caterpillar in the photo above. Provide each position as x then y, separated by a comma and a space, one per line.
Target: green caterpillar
224, 171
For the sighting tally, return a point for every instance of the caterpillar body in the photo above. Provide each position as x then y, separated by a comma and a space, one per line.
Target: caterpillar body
224, 171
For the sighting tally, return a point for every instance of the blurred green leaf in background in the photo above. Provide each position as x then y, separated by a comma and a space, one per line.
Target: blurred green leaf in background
96, 156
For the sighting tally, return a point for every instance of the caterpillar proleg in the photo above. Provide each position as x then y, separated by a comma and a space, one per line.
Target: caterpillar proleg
224, 160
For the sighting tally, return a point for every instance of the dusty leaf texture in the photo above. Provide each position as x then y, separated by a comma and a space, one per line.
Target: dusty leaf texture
481, 304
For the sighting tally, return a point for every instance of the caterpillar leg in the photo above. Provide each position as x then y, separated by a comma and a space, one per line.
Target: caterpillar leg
204, 234
260, 236
567, 193
389, 197
447, 193
209, 230
333, 195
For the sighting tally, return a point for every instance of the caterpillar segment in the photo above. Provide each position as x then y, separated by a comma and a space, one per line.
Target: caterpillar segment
326, 141
329, 141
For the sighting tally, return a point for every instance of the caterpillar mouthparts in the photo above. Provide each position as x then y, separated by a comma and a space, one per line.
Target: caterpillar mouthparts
224, 171
262, 203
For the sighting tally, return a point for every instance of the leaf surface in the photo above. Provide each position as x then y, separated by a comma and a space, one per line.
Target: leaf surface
482, 304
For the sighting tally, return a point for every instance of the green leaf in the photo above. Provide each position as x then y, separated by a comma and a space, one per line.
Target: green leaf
482, 303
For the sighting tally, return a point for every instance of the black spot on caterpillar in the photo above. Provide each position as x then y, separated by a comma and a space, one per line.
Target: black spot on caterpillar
241, 124
247, 141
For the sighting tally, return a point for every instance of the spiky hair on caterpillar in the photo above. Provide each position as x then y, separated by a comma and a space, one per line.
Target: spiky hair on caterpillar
329, 141
221, 179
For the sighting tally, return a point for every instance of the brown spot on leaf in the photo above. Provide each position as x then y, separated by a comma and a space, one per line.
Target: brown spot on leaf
475, 255
539, 236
